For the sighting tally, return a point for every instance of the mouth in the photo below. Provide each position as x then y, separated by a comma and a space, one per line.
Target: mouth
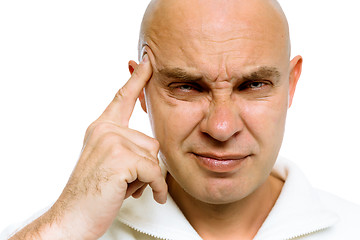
220, 163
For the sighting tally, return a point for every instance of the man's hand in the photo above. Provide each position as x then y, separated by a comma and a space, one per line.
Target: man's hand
116, 162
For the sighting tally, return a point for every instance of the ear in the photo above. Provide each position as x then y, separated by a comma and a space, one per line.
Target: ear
142, 100
295, 72
132, 66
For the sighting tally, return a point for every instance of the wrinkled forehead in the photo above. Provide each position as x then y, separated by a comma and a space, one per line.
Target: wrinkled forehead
189, 32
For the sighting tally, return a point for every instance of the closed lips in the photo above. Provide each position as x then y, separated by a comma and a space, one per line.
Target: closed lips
221, 157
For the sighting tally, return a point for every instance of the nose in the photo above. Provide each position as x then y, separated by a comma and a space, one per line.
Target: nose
222, 121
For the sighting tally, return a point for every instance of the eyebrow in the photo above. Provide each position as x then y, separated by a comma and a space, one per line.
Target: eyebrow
263, 72
180, 74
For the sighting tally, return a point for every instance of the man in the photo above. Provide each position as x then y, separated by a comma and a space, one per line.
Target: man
216, 81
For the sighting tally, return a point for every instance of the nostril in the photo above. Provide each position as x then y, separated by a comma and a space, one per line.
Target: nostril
213, 141
221, 130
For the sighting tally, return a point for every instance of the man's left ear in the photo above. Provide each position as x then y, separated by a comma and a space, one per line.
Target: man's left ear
132, 66
142, 100
295, 72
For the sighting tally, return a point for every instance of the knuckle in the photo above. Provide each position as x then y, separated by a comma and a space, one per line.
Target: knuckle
101, 128
109, 139
155, 168
117, 152
90, 128
105, 142
157, 171
124, 93
97, 129
154, 144
121, 94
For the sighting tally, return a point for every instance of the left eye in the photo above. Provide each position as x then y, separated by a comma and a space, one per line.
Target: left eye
186, 88
256, 84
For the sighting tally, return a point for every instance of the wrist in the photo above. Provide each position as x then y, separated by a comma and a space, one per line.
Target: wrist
55, 226
65, 225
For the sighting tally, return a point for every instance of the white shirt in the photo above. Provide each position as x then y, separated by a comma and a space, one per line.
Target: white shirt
301, 212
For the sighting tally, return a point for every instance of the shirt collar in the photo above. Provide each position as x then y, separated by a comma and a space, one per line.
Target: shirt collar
297, 212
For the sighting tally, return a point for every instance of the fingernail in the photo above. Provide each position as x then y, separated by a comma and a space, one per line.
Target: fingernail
145, 58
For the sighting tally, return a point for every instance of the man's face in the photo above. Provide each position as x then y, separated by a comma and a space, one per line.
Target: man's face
218, 98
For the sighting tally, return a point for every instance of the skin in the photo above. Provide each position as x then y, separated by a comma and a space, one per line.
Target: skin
219, 112
116, 162
218, 83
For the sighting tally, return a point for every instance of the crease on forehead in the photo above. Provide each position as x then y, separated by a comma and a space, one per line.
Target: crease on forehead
261, 72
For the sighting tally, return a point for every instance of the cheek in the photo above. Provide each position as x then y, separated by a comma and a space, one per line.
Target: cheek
266, 120
172, 120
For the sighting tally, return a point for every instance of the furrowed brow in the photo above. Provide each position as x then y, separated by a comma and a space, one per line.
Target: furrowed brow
270, 73
179, 74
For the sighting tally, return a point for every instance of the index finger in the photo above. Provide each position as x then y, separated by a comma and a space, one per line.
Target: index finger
122, 106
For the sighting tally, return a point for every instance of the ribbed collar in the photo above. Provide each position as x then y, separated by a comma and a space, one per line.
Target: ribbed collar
161, 221
297, 212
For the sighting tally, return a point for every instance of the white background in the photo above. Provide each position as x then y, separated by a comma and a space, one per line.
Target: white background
61, 63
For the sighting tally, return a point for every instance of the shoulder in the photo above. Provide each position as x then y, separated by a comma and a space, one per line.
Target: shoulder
345, 209
300, 197
348, 224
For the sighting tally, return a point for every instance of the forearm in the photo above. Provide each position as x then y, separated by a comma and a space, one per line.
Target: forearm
44, 227
116, 162
51, 226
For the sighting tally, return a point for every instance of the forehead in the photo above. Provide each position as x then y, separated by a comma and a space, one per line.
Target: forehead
217, 36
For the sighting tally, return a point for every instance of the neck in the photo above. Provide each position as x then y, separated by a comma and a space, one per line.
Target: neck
237, 220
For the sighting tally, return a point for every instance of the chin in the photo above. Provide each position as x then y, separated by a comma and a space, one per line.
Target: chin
216, 199
223, 191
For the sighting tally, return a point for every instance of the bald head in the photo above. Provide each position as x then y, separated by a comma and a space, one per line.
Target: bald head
214, 19
221, 82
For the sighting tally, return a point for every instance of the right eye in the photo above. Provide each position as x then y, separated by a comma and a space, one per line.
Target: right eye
185, 87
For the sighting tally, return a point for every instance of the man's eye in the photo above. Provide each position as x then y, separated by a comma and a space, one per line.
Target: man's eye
186, 88
253, 85
256, 85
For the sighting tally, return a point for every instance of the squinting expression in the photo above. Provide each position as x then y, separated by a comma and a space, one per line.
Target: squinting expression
217, 102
